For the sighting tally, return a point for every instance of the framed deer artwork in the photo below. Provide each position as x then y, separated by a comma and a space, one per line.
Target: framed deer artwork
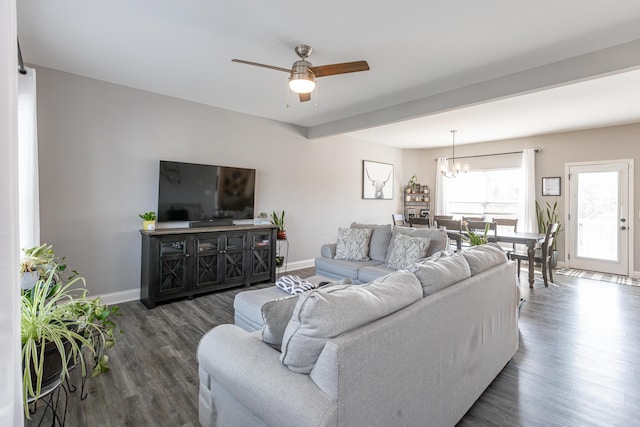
377, 180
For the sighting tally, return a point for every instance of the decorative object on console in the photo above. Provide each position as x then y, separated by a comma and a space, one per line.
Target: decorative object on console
456, 167
377, 180
278, 221
148, 220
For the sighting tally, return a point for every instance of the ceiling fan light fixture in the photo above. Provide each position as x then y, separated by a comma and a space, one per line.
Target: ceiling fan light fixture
302, 79
302, 83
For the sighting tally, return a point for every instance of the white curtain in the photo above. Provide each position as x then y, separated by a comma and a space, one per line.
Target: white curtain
527, 202
10, 361
440, 201
29, 207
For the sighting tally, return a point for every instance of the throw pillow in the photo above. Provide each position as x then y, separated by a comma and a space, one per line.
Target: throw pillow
483, 257
407, 250
441, 273
324, 313
353, 244
380, 238
438, 237
275, 317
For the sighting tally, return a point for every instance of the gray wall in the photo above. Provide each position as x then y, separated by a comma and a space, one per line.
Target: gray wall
99, 149
610, 143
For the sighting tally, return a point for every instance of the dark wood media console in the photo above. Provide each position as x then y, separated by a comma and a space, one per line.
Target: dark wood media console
184, 262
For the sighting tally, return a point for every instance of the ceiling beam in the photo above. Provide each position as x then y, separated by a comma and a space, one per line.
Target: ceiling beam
612, 60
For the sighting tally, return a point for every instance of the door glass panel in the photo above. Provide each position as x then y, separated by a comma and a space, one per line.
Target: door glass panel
207, 245
235, 242
598, 215
172, 247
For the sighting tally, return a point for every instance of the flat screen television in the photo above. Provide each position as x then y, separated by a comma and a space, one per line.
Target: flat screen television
195, 192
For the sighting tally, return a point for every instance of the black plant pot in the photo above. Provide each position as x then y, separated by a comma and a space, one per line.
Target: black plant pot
52, 366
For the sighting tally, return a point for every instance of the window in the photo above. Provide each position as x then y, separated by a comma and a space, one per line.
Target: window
490, 193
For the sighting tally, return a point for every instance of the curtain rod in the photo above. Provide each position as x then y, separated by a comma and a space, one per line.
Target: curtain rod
21, 68
535, 150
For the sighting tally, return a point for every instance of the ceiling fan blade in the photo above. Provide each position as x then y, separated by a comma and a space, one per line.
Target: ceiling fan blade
343, 68
241, 61
304, 97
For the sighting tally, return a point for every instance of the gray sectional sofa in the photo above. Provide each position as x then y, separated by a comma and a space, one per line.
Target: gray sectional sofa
415, 347
380, 249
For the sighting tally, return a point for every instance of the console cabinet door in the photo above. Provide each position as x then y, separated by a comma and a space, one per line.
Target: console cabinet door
209, 253
261, 255
172, 269
233, 262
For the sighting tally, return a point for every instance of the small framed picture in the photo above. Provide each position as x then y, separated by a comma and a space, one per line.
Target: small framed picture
551, 186
411, 213
424, 213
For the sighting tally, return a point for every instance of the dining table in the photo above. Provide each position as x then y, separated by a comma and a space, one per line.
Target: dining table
530, 240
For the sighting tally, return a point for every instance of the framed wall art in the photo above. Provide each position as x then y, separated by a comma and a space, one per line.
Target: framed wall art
551, 186
377, 180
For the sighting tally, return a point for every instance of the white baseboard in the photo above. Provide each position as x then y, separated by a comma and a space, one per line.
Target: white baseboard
121, 296
134, 294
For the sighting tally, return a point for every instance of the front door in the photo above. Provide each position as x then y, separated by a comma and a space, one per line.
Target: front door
599, 218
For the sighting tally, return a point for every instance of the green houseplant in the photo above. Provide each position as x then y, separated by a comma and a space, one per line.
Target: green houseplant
60, 326
148, 220
546, 217
476, 239
278, 220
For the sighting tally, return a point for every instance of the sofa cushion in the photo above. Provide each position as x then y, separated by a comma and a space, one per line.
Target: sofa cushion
380, 238
353, 244
406, 250
438, 237
369, 273
341, 267
275, 317
483, 257
440, 273
323, 314
277, 313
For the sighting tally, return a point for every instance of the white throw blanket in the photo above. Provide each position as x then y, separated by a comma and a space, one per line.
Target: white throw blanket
294, 284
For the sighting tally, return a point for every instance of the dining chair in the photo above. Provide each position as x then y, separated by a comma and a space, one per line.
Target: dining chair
418, 222
478, 227
542, 255
437, 217
398, 219
510, 224
472, 218
449, 224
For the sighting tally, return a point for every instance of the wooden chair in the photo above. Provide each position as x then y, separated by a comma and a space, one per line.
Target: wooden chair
418, 222
542, 255
478, 227
507, 224
472, 218
449, 224
398, 219
437, 217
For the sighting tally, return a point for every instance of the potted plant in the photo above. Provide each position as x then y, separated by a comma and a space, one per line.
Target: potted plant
59, 325
148, 220
475, 239
546, 217
278, 220
279, 261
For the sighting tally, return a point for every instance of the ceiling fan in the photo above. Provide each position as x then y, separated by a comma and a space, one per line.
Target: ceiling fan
302, 74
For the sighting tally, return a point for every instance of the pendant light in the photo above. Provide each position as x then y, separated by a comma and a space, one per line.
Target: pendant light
456, 167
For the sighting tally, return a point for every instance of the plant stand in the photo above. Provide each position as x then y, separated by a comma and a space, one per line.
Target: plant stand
50, 396
283, 250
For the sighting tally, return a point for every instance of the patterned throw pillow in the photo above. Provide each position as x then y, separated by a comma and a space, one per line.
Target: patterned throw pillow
407, 250
353, 244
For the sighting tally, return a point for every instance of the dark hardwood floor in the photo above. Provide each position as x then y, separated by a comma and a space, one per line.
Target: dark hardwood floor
578, 362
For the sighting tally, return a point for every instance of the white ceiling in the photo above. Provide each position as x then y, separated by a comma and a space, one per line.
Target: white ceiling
492, 70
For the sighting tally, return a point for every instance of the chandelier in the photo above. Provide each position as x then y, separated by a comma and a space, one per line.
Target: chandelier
456, 167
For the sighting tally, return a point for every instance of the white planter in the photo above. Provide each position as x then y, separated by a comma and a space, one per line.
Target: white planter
28, 279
